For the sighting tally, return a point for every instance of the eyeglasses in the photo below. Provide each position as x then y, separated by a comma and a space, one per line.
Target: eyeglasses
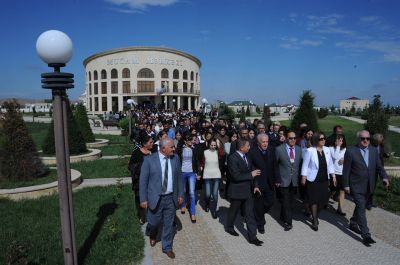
292, 138
322, 139
365, 138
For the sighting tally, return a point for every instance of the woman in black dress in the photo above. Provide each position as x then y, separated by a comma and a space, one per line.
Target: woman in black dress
135, 163
315, 171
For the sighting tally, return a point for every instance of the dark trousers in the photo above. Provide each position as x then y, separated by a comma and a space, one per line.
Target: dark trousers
359, 218
286, 200
262, 204
164, 213
247, 205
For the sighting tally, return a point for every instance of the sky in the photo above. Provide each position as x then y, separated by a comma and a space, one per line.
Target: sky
265, 51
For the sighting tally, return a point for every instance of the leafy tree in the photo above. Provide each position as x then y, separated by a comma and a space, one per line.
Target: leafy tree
266, 115
248, 111
226, 113
378, 120
258, 109
82, 121
305, 113
76, 142
322, 113
242, 115
19, 159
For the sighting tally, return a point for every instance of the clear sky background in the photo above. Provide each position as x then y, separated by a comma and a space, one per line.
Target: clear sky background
265, 51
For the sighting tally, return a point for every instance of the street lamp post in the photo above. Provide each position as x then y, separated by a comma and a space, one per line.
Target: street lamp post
131, 103
173, 104
55, 48
204, 102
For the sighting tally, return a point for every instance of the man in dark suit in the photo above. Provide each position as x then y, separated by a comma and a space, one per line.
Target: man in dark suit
240, 191
288, 157
361, 165
263, 158
161, 192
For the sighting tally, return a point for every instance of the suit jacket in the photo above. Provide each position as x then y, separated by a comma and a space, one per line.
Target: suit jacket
241, 179
266, 164
311, 164
150, 180
288, 172
357, 175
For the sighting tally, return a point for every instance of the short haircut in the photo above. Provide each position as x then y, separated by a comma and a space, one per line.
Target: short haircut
290, 131
163, 142
337, 126
241, 143
358, 135
261, 135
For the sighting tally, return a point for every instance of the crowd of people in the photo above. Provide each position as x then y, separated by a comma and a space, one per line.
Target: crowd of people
253, 165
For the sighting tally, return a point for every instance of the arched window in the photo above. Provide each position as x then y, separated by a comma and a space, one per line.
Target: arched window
126, 73
103, 74
164, 73
197, 76
191, 75
114, 73
176, 74
95, 75
185, 75
90, 76
145, 73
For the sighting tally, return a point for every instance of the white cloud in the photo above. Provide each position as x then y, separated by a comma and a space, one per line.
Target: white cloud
389, 49
369, 19
134, 6
314, 43
293, 43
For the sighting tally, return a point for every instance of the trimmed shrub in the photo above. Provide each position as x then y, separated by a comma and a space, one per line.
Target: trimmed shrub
76, 142
378, 120
82, 121
19, 159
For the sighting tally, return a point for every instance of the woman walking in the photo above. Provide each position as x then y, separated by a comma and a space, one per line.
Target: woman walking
212, 178
315, 171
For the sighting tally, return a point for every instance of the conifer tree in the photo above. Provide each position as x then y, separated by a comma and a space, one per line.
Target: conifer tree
76, 142
305, 113
378, 120
19, 159
83, 123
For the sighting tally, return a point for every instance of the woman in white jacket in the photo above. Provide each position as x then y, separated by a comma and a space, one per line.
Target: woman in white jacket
337, 152
315, 171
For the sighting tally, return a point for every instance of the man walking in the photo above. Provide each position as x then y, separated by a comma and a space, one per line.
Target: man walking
263, 158
161, 192
360, 169
288, 157
240, 192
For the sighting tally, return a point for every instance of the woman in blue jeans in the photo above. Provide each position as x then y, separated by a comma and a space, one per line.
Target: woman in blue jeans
212, 177
190, 173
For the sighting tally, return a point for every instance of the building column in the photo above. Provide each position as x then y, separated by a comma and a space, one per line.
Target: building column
196, 102
120, 103
179, 102
189, 103
109, 103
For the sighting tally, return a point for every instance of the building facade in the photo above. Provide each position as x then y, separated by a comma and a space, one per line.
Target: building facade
358, 104
151, 76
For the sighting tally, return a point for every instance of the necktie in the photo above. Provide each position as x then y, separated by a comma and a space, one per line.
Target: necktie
245, 160
365, 156
165, 182
291, 154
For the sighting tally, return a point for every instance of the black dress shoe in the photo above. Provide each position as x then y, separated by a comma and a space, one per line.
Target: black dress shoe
214, 215
287, 226
256, 242
340, 213
314, 227
369, 207
366, 243
231, 232
261, 230
369, 240
355, 228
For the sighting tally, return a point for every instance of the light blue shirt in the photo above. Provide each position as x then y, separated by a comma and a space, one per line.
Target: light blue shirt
365, 154
170, 180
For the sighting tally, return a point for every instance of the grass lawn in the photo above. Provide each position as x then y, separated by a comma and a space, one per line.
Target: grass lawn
52, 176
116, 149
107, 231
388, 200
395, 121
103, 168
38, 132
326, 125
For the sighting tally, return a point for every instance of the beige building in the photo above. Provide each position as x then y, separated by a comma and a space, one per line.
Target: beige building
151, 76
237, 106
358, 104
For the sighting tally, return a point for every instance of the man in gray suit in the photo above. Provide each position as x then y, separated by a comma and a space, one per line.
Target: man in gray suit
360, 168
161, 192
288, 158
